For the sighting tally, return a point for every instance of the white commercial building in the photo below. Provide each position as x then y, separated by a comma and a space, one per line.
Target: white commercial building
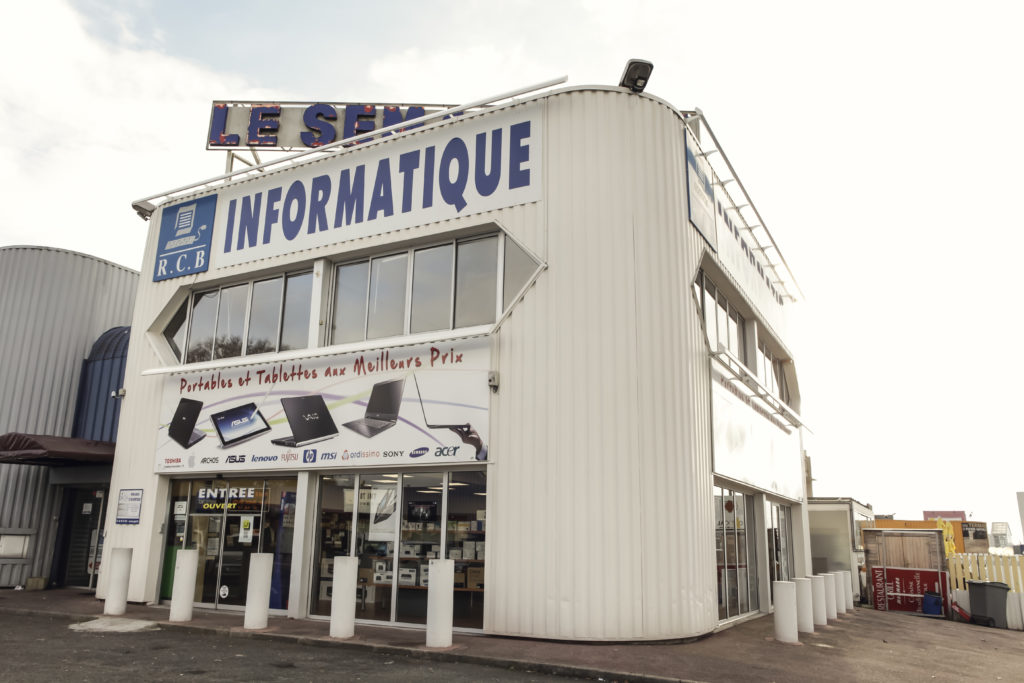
539, 338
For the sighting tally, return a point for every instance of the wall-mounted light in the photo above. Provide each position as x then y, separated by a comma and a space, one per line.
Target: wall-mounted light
636, 75
144, 209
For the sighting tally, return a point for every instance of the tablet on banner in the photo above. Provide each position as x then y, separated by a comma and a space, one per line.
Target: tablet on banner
408, 405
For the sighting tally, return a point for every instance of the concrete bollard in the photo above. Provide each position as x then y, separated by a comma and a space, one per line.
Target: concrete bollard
343, 596
785, 611
830, 596
186, 563
804, 606
840, 596
848, 589
440, 594
120, 565
818, 598
257, 592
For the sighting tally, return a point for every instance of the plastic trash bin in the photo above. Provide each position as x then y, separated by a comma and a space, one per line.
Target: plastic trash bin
988, 602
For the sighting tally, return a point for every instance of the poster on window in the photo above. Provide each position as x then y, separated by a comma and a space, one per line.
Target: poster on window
410, 405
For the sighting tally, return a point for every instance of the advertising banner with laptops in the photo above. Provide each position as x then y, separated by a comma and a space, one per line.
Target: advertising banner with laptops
424, 404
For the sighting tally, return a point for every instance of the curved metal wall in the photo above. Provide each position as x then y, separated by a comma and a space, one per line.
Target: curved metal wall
54, 305
600, 515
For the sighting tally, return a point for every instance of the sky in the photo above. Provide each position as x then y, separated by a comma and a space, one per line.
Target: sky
880, 142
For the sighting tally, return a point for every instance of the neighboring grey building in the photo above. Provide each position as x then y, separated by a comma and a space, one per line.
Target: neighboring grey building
58, 308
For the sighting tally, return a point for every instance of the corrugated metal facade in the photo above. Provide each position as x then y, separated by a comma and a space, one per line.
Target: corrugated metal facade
600, 489
599, 510
55, 304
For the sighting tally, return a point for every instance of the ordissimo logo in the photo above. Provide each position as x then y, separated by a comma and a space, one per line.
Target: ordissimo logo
186, 233
309, 455
419, 452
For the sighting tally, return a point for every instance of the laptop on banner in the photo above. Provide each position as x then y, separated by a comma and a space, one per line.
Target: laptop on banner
182, 428
309, 419
426, 420
239, 424
381, 409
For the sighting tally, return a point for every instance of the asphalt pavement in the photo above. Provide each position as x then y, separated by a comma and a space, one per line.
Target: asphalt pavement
861, 645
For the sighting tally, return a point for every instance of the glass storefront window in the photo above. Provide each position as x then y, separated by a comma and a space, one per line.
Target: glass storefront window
736, 557
466, 535
337, 502
376, 532
396, 524
419, 541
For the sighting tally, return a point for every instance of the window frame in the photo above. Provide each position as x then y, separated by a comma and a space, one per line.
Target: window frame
249, 284
411, 252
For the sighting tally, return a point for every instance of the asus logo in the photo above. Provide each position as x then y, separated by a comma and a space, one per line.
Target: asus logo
240, 421
235, 459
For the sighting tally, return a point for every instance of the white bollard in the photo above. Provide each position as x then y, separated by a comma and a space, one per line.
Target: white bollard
257, 592
840, 598
840, 594
440, 593
186, 562
830, 596
804, 606
785, 611
120, 566
818, 598
343, 597
848, 585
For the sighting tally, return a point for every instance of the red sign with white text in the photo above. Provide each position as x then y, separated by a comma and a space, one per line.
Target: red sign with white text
902, 590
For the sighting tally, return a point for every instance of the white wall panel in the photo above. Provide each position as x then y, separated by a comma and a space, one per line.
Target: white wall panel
600, 495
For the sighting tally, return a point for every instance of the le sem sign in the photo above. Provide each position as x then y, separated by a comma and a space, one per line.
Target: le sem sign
302, 125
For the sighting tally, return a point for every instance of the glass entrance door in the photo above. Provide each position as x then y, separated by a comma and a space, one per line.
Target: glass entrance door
227, 521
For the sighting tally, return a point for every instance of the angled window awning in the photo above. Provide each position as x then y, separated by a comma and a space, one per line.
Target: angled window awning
54, 451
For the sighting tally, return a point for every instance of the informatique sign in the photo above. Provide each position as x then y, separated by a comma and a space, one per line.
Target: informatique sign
484, 163
411, 405
303, 125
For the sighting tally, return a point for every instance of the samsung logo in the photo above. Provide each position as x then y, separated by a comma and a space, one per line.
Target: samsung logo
419, 452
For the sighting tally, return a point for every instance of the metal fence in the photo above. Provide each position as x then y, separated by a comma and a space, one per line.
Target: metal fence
964, 567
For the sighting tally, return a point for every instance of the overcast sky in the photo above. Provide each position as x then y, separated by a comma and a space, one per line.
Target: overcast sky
880, 141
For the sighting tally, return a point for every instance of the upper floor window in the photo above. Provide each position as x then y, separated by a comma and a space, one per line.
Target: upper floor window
441, 287
725, 326
262, 316
770, 373
455, 284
